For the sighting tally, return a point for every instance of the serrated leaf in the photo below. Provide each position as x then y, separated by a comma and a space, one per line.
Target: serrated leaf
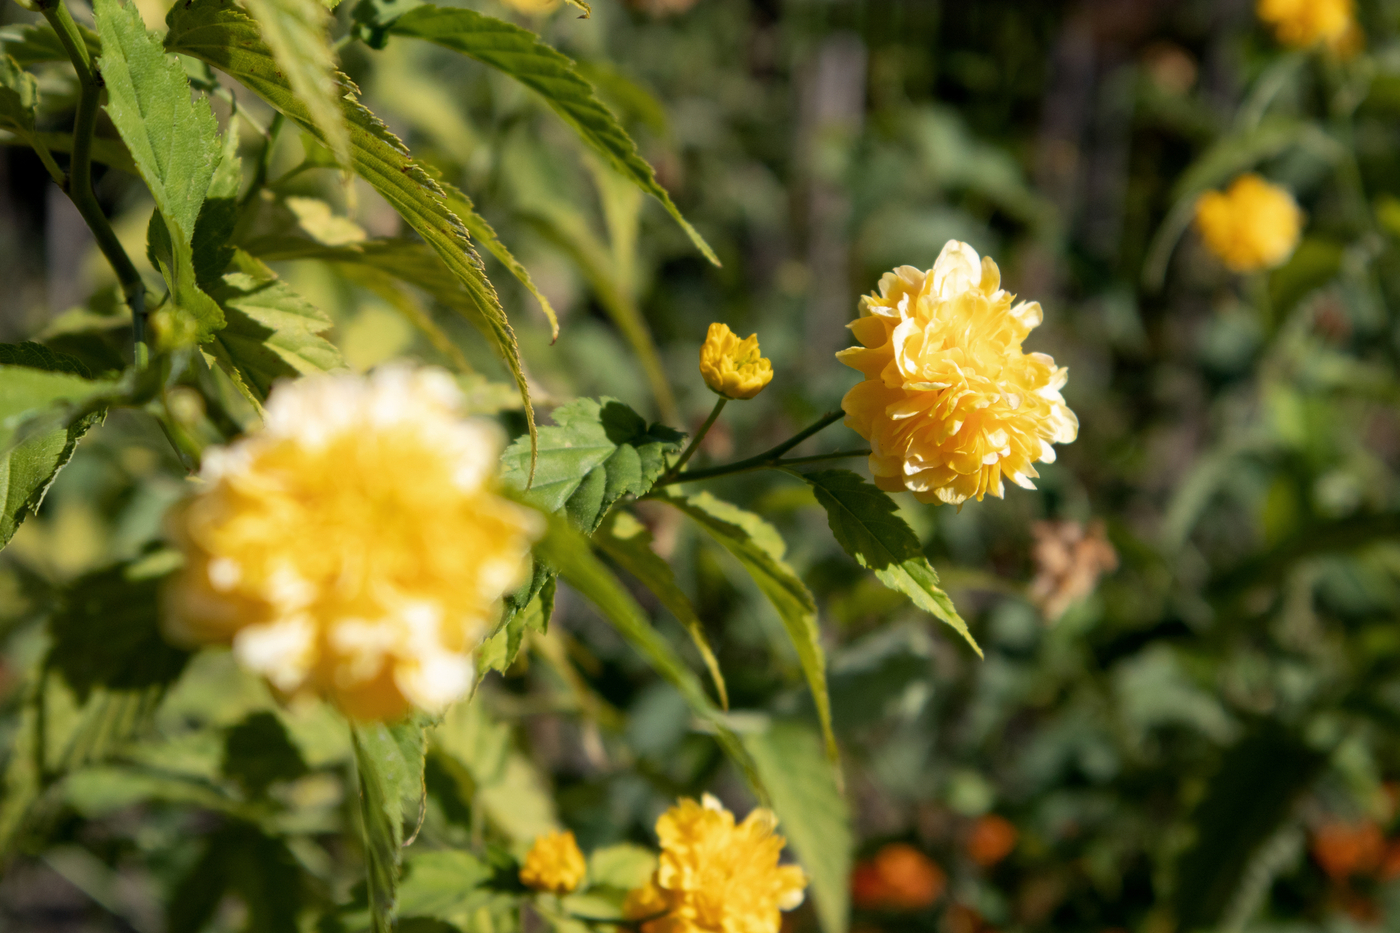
598, 452
296, 32
225, 37
812, 814
19, 92
173, 138
271, 332
569, 553
866, 523
520, 53
35, 43
487, 237
499, 652
628, 542
760, 549
36, 384
389, 763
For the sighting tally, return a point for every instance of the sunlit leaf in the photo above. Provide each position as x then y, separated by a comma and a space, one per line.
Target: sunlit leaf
389, 762
866, 523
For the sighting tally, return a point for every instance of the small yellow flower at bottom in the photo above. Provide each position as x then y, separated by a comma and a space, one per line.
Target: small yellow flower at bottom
1252, 225
732, 367
554, 864
715, 876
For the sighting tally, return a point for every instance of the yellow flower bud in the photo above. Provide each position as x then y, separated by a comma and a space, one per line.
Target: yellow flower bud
1252, 225
1305, 23
733, 367
554, 864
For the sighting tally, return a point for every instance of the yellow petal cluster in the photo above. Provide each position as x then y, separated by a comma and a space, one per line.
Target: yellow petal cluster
732, 367
950, 403
1306, 23
1252, 225
554, 864
354, 544
715, 876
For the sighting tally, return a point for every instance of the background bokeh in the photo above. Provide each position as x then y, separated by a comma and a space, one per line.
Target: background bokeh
1188, 710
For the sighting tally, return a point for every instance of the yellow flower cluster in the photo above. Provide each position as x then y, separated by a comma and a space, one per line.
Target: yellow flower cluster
1306, 23
950, 403
554, 864
732, 367
354, 544
715, 876
1252, 225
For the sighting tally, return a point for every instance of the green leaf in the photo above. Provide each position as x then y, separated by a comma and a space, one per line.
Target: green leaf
866, 523
599, 452
1250, 797
812, 814
569, 552
45, 402
259, 869
444, 885
106, 635
760, 549
19, 92
389, 762
487, 237
628, 542
35, 43
272, 332
499, 652
228, 39
173, 138
258, 753
520, 53
296, 32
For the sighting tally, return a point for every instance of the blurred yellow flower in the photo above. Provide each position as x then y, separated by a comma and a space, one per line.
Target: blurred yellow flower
554, 864
950, 403
1305, 23
715, 876
1252, 225
534, 7
354, 544
733, 367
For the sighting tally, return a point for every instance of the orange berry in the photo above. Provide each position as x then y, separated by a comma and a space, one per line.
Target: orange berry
992, 839
1345, 849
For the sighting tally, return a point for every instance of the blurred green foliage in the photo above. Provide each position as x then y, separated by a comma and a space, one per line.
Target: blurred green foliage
1176, 751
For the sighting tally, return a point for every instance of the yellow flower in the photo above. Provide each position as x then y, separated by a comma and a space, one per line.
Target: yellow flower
554, 864
716, 877
950, 403
1252, 225
733, 367
1305, 23
354, 544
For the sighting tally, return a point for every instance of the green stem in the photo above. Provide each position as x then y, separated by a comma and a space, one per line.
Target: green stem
754, 464
699, 436
264, 162
769, 459
42, 150
79, 186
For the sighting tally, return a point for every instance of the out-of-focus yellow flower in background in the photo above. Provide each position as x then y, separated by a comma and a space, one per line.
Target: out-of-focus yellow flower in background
354, 544
1305, 23
715, 876
950, 403
554, 864
732, 367
1252, 225
533, 7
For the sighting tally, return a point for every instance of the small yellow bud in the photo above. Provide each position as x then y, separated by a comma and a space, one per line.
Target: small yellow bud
1252, 225
554, 864
733, 367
